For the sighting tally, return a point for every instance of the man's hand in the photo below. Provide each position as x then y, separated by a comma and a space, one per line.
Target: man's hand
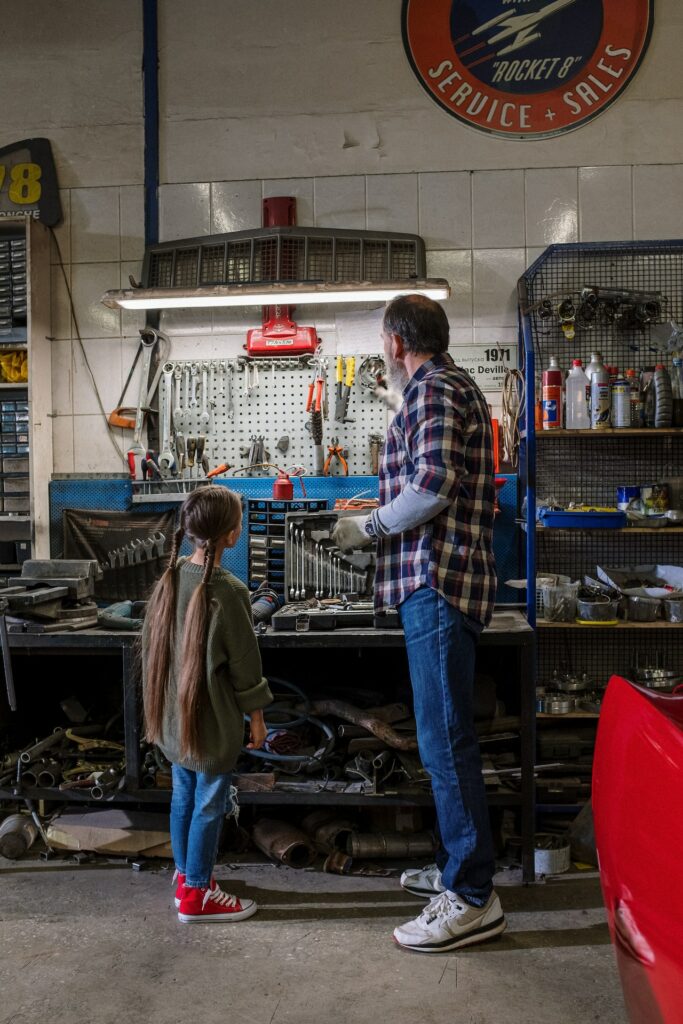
349, 533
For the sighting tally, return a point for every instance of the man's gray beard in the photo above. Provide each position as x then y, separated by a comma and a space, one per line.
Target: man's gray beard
397, 375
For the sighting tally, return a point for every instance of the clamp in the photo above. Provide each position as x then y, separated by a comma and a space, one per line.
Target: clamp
335, 452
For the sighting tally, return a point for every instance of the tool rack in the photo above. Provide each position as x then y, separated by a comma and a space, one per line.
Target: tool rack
235, 407
589, 465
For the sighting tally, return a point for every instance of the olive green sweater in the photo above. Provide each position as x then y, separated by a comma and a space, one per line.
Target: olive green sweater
235, 685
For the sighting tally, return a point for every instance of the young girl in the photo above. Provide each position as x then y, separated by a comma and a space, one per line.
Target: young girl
201, 671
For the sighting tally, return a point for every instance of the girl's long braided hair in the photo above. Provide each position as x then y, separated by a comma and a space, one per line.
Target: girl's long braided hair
206, 516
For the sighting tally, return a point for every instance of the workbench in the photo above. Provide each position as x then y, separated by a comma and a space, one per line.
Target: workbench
508, 630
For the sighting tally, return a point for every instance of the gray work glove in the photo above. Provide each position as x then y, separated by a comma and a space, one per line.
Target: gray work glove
349, 533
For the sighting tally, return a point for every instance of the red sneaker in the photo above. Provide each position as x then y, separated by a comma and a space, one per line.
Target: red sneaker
213, 905
179, 877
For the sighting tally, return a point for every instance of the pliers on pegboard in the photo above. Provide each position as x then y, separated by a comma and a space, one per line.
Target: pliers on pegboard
335, 452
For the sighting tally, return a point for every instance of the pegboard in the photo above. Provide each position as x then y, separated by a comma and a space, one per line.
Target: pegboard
267, 398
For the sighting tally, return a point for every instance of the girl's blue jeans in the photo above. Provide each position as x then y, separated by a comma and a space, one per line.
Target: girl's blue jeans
441, 643
198, 807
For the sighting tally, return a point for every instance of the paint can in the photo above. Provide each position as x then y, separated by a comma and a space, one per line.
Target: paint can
626, 496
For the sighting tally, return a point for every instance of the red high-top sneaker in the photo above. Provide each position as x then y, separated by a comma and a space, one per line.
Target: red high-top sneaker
213, 905
178, 877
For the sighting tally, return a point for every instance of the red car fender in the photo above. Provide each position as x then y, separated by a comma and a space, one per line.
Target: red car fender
638, 810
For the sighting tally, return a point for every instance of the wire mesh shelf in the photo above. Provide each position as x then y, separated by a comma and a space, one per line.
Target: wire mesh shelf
622, 333
633, 328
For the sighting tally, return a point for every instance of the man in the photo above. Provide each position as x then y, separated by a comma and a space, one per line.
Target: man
435, 565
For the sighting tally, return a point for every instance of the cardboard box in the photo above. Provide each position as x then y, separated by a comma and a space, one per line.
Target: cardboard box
112, 831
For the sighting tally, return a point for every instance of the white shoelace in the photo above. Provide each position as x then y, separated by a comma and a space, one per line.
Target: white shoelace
176, 875
223, 899
441, 907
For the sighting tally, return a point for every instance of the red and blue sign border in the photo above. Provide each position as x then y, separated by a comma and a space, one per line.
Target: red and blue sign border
436, 12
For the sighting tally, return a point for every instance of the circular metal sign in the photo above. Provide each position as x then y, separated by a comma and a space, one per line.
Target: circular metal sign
526, 68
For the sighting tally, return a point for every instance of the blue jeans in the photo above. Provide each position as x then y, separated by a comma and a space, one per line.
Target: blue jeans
441, 644
198, 806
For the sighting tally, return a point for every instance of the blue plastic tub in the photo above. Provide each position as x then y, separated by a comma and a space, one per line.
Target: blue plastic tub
582, 520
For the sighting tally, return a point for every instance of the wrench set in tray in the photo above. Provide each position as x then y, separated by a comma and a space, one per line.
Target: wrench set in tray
325, 588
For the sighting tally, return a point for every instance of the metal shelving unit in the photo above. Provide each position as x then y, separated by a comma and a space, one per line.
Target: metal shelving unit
508, 630
589, 465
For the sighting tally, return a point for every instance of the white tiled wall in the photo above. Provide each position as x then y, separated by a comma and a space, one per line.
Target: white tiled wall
481, 230
322, 107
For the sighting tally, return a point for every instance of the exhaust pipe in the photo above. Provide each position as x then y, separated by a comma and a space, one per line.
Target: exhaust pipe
389, 845
327, 832
373, 724
284, 842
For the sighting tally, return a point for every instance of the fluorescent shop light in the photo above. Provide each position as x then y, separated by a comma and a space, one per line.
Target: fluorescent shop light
275, 294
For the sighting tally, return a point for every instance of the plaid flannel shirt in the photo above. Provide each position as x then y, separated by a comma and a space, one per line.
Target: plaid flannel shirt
441, 442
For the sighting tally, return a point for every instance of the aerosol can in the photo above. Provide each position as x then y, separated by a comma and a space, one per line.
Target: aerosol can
552, 396
621, 402
600, 396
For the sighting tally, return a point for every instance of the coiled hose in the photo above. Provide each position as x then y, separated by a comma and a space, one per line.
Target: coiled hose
300, 718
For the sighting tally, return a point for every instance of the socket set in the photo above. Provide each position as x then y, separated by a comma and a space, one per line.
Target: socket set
324, 588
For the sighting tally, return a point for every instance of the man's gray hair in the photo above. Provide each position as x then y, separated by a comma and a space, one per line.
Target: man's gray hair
420, 322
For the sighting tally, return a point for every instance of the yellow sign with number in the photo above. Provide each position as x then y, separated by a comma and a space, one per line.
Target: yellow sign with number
28, 185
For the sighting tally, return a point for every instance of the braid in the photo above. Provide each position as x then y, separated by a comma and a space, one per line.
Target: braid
175, 548
209, 557
192, 684
159, 642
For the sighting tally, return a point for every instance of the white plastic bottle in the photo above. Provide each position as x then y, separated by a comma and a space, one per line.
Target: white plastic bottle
577, 391
596, 363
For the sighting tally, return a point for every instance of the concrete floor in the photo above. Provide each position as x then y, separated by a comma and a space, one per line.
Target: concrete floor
101, 944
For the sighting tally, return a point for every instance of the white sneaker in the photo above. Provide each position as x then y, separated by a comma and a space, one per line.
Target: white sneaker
423, 881
448, 923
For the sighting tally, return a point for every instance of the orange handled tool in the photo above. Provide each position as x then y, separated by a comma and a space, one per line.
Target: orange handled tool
217, 471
